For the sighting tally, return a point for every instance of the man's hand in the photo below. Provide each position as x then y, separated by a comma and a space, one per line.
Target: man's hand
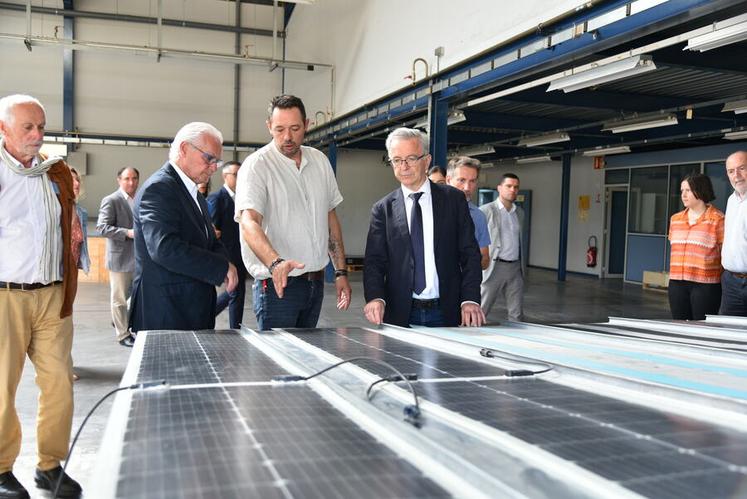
131, 233
374, 311
472, 315
280, 274
232, 278
343, 292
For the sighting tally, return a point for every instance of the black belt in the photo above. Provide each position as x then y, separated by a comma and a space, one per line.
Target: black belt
26, 287
426, 304
506, 261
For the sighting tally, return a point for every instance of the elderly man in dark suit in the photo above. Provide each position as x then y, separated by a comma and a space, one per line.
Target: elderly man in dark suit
178, 258
115, 224
222, 207
422, 263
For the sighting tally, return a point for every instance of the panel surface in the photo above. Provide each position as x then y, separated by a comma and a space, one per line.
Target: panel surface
648, 451
427, 363
256, 441
186, 357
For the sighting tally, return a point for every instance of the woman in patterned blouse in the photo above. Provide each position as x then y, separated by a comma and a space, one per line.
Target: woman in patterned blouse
695, 236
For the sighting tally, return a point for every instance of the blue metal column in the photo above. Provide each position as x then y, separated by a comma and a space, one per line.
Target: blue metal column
565, 197
68, 73
439, 128
329, 274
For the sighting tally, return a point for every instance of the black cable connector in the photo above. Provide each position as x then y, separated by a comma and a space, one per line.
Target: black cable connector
136, 386
287, 378
492, 354
412, 416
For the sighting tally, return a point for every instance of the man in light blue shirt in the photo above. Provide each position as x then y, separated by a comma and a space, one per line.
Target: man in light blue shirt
462, 173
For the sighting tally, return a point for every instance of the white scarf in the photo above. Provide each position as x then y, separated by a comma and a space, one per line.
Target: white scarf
52, 245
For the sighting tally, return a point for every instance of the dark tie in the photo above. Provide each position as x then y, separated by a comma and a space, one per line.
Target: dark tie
418, 248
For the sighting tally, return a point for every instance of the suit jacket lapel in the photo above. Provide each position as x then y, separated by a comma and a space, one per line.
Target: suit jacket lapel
400, 215
197, 217
438, 210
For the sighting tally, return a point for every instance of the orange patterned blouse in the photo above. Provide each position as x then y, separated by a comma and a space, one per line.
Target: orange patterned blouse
696, 249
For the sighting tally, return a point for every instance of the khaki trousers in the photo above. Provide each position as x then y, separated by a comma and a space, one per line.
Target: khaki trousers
30, 325
121, 286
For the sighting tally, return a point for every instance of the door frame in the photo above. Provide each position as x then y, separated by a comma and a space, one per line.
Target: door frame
605, 250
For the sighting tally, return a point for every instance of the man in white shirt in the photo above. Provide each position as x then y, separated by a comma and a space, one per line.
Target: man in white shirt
178, 258
38, 281
286, 196
508, 259
115, 224
734, 249
422, 263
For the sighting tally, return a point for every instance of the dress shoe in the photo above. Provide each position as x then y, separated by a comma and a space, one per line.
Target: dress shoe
47, 480
10, 488
127, 342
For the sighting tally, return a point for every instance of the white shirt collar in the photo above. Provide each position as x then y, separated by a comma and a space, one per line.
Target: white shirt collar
188, 183
503, 206
425, 189
289, 160
125, 195
229, 191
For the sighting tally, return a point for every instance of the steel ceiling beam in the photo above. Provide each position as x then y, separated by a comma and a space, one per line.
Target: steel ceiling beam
140, 19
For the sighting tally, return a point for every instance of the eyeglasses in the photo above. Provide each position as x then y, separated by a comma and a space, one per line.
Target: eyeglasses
209, 158
409, 160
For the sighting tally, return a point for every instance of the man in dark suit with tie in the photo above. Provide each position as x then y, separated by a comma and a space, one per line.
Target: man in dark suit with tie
221, 207
422, 263
178, 258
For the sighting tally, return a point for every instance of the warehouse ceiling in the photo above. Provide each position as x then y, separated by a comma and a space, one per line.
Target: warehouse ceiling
685, 90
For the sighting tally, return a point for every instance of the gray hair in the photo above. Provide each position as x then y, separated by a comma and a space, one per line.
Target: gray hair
192, 132
8, 102
407, 134
458, 161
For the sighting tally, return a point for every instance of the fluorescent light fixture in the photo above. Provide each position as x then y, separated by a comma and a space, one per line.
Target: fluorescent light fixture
606, 151
724, 33
476, 150
736, 135
548, 138
639, 124
606, 73
533, 159
738, 106
456, 116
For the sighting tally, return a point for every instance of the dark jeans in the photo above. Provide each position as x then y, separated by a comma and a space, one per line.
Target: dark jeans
429, 317
235, 303
693, 300
299, 306
734, 297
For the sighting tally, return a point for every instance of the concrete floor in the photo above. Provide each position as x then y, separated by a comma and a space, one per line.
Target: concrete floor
100, 361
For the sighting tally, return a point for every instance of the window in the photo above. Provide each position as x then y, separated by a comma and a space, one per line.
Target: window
648, 200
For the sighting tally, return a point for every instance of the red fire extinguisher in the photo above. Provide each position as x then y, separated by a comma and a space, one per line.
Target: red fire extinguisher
591, 253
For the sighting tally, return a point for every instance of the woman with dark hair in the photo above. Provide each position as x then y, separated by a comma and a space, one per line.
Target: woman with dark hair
695, 236
79, 236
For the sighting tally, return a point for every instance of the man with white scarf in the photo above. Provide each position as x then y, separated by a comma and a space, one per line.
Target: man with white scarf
38, 281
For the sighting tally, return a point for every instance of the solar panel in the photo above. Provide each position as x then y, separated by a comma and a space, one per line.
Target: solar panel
427, 363
256, 441
640, 448
187, 357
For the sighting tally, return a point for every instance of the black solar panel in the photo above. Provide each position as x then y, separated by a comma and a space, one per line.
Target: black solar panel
256, 441
186, 357
427, 363
642, 449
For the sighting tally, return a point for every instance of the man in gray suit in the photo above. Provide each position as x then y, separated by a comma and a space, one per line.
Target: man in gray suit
115, 223
507, 250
